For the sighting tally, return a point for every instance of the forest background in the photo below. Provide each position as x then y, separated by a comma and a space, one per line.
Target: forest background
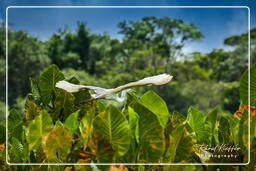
150, 46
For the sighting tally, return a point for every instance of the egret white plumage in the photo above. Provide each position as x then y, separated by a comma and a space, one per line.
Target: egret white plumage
103, 92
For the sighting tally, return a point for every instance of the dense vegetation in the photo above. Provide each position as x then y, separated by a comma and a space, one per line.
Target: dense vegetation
149, 46
57, 128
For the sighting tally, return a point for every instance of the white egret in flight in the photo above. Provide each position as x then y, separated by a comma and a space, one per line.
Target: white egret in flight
103, 92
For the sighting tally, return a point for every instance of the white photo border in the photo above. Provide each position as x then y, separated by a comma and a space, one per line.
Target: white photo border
249, 63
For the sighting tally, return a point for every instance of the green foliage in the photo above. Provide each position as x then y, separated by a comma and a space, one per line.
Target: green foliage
151, 126
142, 131
47, 82
156, 105
38, 130
149, 46
15, 126
244, 86
112, 126
151, 135
63, 104
196, 121
28, 56
72, 123
57, 144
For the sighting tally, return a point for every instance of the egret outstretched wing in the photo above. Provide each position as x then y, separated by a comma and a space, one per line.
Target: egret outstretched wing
103, 92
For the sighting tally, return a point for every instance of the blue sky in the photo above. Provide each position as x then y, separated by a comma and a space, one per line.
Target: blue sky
215, 23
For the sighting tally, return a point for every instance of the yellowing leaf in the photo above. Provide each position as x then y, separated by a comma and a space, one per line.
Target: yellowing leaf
58, 143
38, 130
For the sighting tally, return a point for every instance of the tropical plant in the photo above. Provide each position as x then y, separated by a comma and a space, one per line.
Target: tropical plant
57, 128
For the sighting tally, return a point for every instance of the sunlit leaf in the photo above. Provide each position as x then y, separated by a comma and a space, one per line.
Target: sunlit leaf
196, 121
131, 155
156, 105
151, 135
114, 128
38, 130
134, 123
72, 123
211, 122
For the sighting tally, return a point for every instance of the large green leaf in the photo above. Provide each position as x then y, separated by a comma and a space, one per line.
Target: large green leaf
228, 129
151, 135
175, 138
134, 123
184, 151
58, 143
16, 151
14, 119
72, 123
224, 131
15, 125
244, 86
211, 122
114, 128
87, 112
63, 104
47, 82
243, 130
196, 121
38, 130
131, 155
156, 105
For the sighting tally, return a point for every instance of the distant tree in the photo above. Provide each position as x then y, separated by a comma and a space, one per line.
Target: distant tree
82, 44
240, 43
67, 49
227, 66
163, 36
27, 57
55, 49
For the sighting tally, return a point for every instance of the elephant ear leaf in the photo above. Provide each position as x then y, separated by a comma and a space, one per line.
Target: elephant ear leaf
151, 134
64, 104
17, 152
38, 129
58, 143
244, 87
47, 82
15, 125
156, 105
196, 121
114, 128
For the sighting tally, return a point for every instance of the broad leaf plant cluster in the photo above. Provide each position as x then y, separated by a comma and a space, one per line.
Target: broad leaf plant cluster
57, 128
